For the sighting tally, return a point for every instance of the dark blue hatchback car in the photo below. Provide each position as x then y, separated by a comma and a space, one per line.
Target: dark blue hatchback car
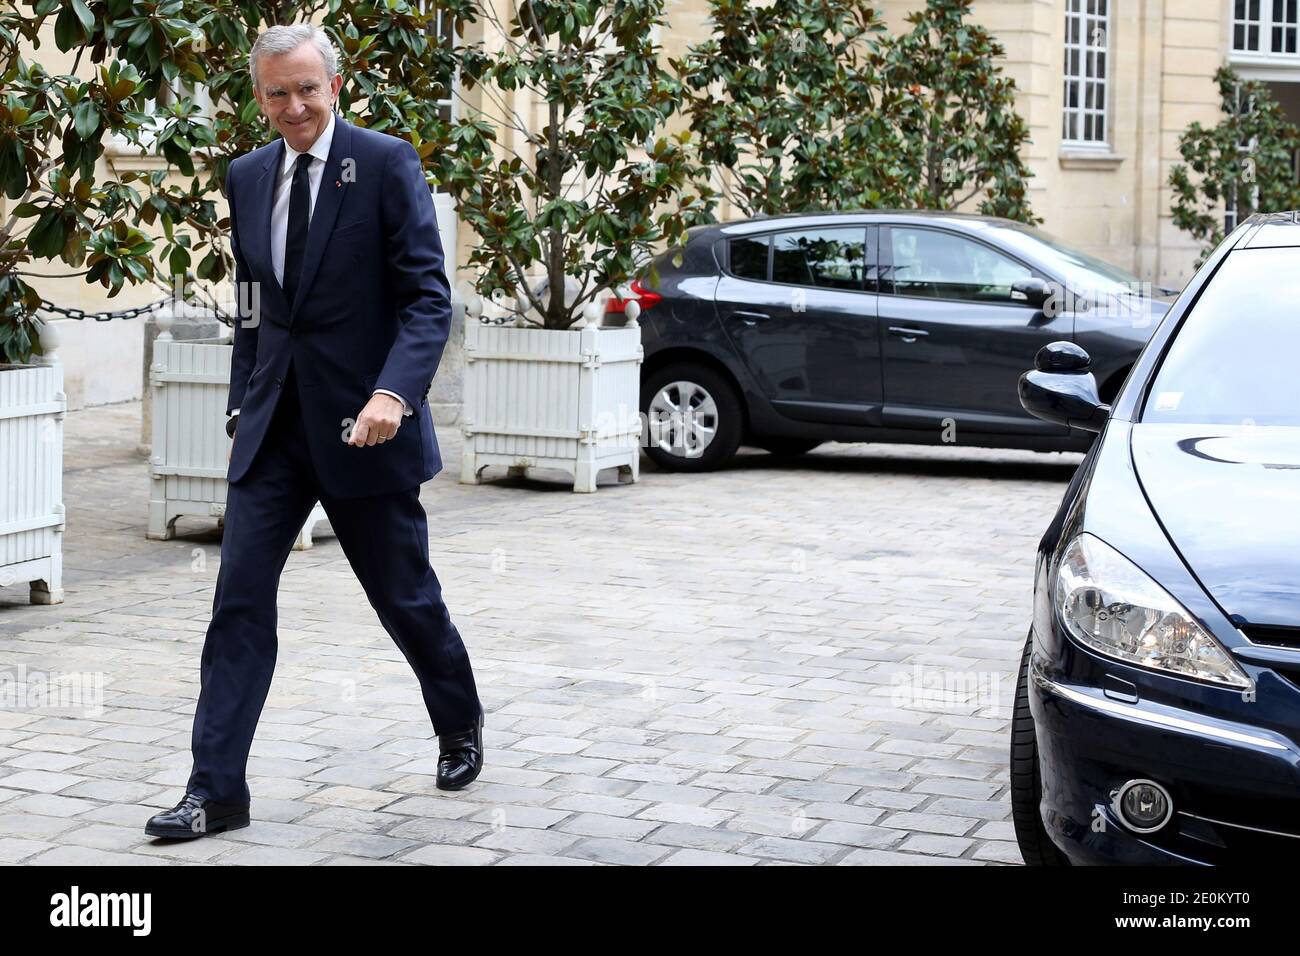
886, 326
1157, 713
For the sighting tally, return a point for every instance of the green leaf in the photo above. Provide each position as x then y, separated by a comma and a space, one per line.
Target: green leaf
85, 118
84, 15
68, 31
47, 237
179, 260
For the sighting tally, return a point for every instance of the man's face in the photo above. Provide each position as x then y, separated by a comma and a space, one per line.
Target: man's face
294, 95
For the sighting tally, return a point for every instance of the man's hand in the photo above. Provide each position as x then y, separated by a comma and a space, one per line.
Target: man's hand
378, 421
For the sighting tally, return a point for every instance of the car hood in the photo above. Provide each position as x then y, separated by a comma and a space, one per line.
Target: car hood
1229, 499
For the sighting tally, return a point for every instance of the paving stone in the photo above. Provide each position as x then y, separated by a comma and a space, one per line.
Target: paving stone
599, 825
624, 852
856, 834
935, 845
451, 856
890, 858
929, 823
539, 818
71, 855
998, 852
794, 851
698, 836
691, 857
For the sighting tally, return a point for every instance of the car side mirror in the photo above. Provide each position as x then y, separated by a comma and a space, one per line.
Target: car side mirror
1062, 357
1032, 291
1062, 389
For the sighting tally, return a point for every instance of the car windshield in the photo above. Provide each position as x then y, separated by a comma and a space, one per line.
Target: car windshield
1230, 363
1085, 274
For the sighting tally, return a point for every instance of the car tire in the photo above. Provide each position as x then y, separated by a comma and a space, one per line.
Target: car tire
1036, 847
787, 447
716, 435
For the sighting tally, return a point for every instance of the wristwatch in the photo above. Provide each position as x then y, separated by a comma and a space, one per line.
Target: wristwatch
230, 425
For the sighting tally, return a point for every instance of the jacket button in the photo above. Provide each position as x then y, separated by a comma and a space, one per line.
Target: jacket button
277, 382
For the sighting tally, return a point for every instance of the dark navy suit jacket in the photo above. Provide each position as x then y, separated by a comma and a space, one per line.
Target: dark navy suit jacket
372, 310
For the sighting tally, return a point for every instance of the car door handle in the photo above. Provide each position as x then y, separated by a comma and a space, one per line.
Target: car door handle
750, 318
906, 334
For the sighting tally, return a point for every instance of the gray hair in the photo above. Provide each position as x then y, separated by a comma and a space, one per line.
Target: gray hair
279, 40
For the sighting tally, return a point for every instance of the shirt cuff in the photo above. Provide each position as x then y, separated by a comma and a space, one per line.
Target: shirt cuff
406, 409
234, 412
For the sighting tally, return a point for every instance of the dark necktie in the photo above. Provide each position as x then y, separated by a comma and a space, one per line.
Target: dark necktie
295, 240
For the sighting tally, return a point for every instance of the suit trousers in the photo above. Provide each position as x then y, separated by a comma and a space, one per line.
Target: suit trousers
385, 539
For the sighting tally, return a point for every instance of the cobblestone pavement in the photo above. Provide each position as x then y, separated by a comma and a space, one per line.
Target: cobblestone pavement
776, 663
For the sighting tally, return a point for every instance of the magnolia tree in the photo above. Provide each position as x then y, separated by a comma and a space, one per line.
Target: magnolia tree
575, 202
780, 96
1245, 161
54, 126
169, 77
954, 113
810, 105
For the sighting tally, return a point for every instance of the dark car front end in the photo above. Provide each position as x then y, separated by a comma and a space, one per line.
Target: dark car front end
1163, 675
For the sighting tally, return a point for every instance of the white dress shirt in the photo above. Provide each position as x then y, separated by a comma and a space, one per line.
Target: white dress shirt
320, 151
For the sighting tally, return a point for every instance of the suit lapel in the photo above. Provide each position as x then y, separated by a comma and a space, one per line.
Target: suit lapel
329, 197
265, 201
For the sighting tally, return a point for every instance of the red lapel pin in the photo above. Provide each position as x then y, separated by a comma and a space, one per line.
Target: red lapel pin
337, 183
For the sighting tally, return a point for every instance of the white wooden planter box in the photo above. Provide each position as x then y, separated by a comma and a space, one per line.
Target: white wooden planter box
32, 408
188, 461
549, 398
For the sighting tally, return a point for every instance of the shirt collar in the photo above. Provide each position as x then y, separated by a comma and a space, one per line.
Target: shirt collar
320, 149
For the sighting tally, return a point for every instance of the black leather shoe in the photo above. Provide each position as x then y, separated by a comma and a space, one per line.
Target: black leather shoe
196, 816
460, 757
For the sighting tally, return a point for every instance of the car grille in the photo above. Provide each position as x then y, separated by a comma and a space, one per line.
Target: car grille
1271, 635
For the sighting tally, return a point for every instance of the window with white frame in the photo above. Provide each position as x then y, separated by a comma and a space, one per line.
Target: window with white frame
1267, 27
1087, 52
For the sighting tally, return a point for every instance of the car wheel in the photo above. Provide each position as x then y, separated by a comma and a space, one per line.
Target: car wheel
693, 418
1036, 846
787, 447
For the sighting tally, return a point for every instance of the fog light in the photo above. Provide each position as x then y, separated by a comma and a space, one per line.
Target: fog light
1143, 805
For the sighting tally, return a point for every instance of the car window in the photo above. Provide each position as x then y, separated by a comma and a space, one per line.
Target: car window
749, 257
1084, 273
824, 258
931, 264
1231, 362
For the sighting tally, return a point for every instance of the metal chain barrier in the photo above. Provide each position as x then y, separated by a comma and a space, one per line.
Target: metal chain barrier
107, 315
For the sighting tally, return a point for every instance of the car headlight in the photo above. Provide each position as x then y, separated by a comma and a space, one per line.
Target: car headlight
1108, 604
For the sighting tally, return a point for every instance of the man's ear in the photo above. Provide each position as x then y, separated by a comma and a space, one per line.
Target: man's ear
336, 84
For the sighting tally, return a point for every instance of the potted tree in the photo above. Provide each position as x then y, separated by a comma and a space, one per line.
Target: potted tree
567, 208
32, 408
809, 105
59, 211
171, 79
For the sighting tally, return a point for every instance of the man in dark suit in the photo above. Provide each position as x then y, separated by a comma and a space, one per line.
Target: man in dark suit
334, 232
